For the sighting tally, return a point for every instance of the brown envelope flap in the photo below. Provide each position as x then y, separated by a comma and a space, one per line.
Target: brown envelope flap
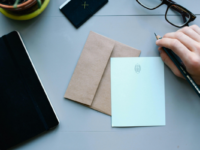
89, 69
122, 50
102, 99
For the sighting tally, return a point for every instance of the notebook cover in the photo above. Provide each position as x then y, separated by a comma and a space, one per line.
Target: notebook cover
25, 110
79, 11
89, 69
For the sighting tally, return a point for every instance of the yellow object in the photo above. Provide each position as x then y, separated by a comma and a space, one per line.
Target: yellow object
27, 16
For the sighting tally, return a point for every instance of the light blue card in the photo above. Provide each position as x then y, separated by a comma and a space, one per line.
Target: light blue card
137, 91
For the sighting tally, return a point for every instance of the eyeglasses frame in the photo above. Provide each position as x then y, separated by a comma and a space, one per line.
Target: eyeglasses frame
169, 3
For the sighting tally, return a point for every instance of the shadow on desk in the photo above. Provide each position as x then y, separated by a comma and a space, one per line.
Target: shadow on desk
37, 137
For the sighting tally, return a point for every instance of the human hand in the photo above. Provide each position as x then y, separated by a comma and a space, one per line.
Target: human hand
185, 43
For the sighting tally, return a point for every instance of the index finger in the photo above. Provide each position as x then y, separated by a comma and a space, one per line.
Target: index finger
176, 46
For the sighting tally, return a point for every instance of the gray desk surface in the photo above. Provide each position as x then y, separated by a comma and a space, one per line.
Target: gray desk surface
55, 46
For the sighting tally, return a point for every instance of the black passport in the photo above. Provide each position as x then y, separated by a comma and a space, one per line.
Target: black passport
25, 110
79, 11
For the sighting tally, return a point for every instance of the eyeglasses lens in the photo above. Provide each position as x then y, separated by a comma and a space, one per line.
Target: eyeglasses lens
177, 15
150, 3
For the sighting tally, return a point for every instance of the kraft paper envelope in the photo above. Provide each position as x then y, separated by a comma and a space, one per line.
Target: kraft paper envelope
90, 83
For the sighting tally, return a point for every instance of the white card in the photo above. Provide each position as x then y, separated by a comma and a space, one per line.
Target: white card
137, 91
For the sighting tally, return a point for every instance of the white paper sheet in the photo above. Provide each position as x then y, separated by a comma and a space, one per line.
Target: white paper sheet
137, 92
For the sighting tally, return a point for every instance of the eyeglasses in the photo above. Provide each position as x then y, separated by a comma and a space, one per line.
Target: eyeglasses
175, 14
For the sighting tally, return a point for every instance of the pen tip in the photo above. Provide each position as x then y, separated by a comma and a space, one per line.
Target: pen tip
156, 36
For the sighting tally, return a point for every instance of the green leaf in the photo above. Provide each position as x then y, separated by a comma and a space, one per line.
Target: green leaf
39, 3
16, 3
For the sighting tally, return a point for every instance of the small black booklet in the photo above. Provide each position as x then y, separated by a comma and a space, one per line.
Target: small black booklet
79, 11
25, 110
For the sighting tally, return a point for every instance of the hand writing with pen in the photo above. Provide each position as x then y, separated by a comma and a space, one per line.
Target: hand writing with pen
185, 43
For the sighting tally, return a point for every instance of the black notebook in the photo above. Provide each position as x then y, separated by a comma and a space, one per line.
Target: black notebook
25, 110
79, 11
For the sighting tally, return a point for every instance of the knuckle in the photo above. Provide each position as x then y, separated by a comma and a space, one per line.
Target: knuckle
198, 47
178, 35
175, 43
194, 63
194, 26
166, 35
185, 29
